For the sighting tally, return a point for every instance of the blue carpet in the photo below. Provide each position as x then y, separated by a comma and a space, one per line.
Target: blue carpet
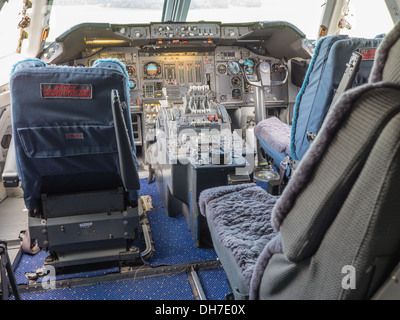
173, 241
167, 287
172, 238
151, 189
214, 283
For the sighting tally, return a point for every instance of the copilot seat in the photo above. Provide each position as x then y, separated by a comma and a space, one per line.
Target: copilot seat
76, 160
321, 82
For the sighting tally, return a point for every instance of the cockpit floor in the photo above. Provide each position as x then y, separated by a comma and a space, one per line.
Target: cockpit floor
174, 246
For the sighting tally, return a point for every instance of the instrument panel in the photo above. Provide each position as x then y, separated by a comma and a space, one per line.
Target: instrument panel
156, 76
166, 61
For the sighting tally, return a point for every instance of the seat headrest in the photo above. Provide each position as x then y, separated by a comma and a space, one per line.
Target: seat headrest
28, 63
387, 67
112, 64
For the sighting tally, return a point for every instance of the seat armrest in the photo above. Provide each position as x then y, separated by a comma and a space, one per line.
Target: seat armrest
10, 173
129, 174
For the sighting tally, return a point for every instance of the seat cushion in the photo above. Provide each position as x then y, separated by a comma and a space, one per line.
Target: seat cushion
240, 217
275, 133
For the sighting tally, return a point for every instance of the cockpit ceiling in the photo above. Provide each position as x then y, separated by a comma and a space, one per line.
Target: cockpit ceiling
276, 39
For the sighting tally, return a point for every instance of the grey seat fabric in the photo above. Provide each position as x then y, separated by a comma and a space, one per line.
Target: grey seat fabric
340, 211
240, 225
361, 230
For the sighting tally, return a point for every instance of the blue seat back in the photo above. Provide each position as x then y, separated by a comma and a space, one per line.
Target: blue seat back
63, 127
324, 74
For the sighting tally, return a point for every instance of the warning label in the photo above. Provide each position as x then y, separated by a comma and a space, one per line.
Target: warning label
66, 91
74, 136
367, 53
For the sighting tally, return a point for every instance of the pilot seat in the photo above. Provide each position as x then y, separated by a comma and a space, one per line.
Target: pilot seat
333, 233
324, 75
76, 160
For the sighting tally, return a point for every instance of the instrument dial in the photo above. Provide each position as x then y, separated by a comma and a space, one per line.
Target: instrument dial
132, 84
152, 69
249, 65
275, 67
236, 94
236, 81
131, 70
221, 69
234, 67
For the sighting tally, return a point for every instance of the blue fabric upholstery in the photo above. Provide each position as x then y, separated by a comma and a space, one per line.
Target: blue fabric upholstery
312, 81
313, 103
65, 142
324, 74
276, 156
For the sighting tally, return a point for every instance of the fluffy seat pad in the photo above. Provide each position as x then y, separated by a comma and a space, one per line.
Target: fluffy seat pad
275, 133
240, 215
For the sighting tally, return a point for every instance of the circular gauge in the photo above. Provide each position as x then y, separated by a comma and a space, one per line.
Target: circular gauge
132, 84
249, 65
152, 69
236, 81
234, 67
222, 98
131, 71
236, 94
221, 69
275, 68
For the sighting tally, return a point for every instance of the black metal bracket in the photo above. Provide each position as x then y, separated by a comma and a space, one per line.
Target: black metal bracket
7, 274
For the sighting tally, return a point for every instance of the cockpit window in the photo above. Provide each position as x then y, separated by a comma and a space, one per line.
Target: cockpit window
305, 14
368, 18
68, 13
9, 31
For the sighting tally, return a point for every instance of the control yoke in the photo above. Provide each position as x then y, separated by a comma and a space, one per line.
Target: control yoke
263, 73
263, 70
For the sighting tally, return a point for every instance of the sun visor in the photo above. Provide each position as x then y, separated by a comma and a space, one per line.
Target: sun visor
279, 38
